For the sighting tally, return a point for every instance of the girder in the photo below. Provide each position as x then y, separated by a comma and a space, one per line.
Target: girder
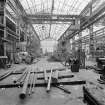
96, 16
22, 12
46, 18
19, 6
48, 22
54, 19
12, 7
86, 25
11, 16
81, 17
48, 38
53, 16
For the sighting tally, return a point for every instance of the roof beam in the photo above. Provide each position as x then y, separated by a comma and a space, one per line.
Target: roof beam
23, 13
19, 6
48, 18
10, 15
41, 21
80, 16
12, 7
88, 23
48, 22
96, 15
35, 31
53, 16
48, 38
64, 33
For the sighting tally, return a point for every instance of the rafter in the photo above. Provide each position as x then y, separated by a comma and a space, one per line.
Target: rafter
12, 7
23, 13
48, 38
40, 21
53, 16
80, 16
96, 16
10, 15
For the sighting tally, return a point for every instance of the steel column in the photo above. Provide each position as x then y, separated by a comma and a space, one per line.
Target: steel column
73, 44
80, 40
91, 43
4, 22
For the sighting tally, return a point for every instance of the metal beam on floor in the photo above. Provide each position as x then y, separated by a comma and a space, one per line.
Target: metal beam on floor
78, 82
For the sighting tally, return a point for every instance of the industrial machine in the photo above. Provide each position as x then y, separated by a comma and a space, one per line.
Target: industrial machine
23, 57
101, 70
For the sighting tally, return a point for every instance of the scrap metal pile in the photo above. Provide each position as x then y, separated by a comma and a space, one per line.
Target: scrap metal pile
31, 77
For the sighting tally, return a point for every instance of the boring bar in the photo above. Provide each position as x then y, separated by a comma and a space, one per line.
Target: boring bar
25, 85
49, 82
62, 88
31, 83
45, 76
34, 83
5, 75
20, 78
55, 76
23, 79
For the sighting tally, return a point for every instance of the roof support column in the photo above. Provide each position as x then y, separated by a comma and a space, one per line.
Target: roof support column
81, 52
91, 40
80, 41
73, 44
4, 22
18, 30
70, 44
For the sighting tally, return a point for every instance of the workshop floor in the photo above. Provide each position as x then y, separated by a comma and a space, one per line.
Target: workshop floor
56, 96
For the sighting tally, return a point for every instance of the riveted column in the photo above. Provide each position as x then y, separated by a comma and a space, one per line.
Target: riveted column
91, 41
4, 22
80, 40
81, 52
73, 44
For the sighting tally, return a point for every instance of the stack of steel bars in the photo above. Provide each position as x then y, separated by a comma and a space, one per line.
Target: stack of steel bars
29, 79
53, 78
8, 73
5, 75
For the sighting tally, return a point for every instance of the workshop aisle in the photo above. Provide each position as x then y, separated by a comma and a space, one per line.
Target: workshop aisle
56, 96
45, 64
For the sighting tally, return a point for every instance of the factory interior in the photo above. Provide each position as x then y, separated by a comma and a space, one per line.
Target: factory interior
52, 52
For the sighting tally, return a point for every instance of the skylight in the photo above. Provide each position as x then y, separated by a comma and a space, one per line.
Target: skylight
60, 6
57, 7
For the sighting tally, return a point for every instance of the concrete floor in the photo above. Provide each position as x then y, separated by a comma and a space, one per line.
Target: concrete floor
41, 97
